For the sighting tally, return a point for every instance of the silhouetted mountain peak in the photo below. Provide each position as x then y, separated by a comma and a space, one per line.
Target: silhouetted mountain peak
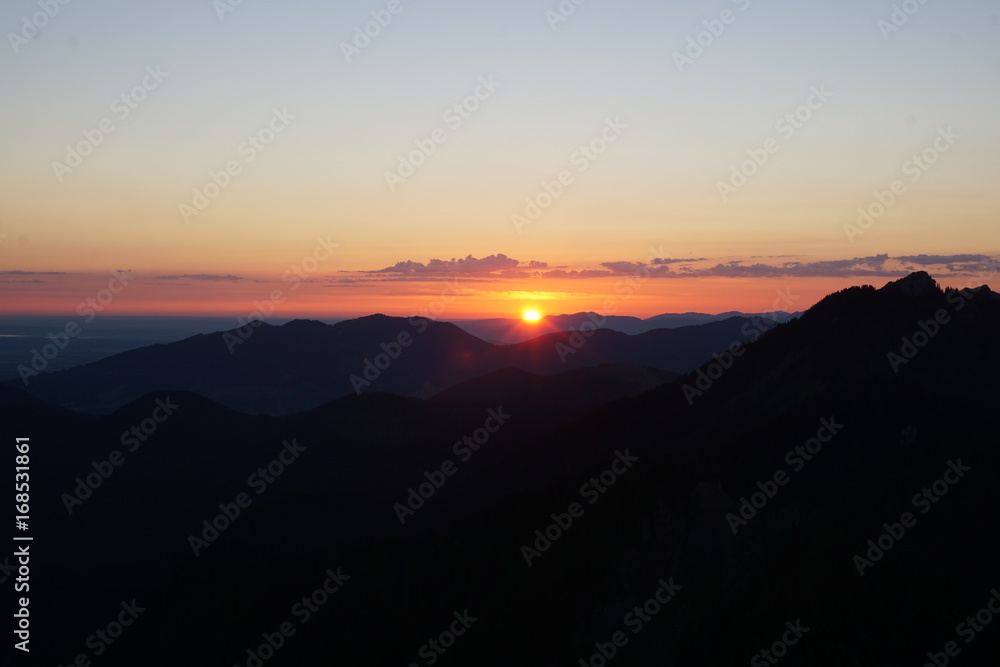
301, 325
919, 283
379, 321
981, 292
911, 291
376, 317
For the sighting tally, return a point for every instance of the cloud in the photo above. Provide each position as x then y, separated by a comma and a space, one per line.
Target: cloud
932, 260
859, 266
467, 266
965, 265
668, 260
32, 273
201, 276
622, 267
990, 266
586, 273
873, 266
502, 267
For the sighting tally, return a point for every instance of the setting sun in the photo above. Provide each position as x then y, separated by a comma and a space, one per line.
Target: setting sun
532, 315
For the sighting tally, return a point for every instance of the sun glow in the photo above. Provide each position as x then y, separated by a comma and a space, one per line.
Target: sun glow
531, 315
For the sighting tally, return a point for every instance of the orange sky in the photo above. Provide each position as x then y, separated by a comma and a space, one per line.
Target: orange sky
441, 298
214, 165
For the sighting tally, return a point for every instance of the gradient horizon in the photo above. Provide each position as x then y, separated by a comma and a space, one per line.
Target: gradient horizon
211, 81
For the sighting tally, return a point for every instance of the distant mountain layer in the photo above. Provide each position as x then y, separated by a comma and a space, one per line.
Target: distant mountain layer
507, 330
874, 406
22, 335
303, 364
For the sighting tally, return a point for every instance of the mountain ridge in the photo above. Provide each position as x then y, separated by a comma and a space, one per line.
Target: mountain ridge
668, 516
304, 363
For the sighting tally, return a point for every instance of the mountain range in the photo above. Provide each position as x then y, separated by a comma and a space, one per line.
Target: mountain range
766, 488
303, 364
508, 330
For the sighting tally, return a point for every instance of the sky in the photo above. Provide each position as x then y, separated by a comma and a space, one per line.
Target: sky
473, 159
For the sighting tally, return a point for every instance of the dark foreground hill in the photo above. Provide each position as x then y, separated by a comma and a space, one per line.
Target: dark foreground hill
811, 496
303, 364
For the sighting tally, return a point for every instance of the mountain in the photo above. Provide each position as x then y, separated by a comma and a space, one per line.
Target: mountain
303, 364
837, 476
891, 438
21, 335
671, 320
506, 330
555, 398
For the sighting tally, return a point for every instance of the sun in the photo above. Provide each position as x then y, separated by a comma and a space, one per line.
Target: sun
531, 316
